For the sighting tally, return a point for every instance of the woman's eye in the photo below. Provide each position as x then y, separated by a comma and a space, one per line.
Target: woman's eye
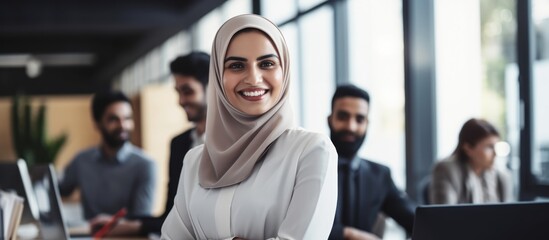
235, 66
266, 64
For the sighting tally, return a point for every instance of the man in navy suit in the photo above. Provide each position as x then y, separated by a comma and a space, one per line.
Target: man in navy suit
365, 188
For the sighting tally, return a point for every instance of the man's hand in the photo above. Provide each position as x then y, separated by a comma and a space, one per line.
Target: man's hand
350, 233
122, 228
98, 222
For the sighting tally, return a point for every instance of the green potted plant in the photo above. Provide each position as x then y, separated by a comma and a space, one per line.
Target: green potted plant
29, 133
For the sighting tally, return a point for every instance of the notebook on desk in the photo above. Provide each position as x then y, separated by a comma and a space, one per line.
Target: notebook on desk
521, 220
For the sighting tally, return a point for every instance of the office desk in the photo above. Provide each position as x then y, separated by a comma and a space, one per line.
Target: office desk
83, 233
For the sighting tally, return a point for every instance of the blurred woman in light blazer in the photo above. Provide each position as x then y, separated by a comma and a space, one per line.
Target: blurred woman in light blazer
469, 174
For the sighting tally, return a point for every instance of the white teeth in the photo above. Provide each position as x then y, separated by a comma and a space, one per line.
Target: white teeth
254, 93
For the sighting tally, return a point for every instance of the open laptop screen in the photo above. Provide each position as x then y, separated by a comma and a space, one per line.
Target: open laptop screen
45, 186
522, 220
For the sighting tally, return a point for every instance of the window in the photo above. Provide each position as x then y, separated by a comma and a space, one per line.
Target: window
540, 85
205, 29
376, 62
317, 67
532, 68
307, 4
292, 39
474, 52
278, 11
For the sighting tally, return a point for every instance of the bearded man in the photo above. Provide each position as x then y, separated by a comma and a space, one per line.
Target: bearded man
366, 188
190, 74
115, 174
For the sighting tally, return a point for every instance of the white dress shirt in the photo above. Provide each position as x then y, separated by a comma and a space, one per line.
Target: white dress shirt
291, 194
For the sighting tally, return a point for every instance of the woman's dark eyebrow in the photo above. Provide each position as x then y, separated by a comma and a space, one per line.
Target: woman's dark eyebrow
236, 59
266, 56
245, 60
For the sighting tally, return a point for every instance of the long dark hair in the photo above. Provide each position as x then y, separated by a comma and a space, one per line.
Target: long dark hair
472, 132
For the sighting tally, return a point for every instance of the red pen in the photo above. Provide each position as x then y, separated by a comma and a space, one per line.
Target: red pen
107, 227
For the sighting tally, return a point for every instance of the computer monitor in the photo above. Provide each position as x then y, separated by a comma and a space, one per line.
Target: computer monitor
44, 182
521, 220
14, 176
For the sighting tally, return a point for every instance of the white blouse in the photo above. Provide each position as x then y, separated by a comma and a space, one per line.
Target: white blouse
291, 194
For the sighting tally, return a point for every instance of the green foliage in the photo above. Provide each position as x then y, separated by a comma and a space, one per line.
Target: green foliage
498, 34
29, 133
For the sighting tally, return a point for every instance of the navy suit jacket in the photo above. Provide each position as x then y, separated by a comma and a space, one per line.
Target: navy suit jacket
179, 146
374, 191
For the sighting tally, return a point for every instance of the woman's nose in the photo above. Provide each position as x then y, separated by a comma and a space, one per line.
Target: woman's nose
255, 76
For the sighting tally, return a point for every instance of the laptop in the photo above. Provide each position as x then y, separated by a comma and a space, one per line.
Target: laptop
38, 186
44, 182
521, 220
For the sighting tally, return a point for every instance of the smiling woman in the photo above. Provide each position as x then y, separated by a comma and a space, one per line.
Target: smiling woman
257, 176
252, 77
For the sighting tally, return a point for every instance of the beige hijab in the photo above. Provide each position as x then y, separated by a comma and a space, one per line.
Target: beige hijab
235, 141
